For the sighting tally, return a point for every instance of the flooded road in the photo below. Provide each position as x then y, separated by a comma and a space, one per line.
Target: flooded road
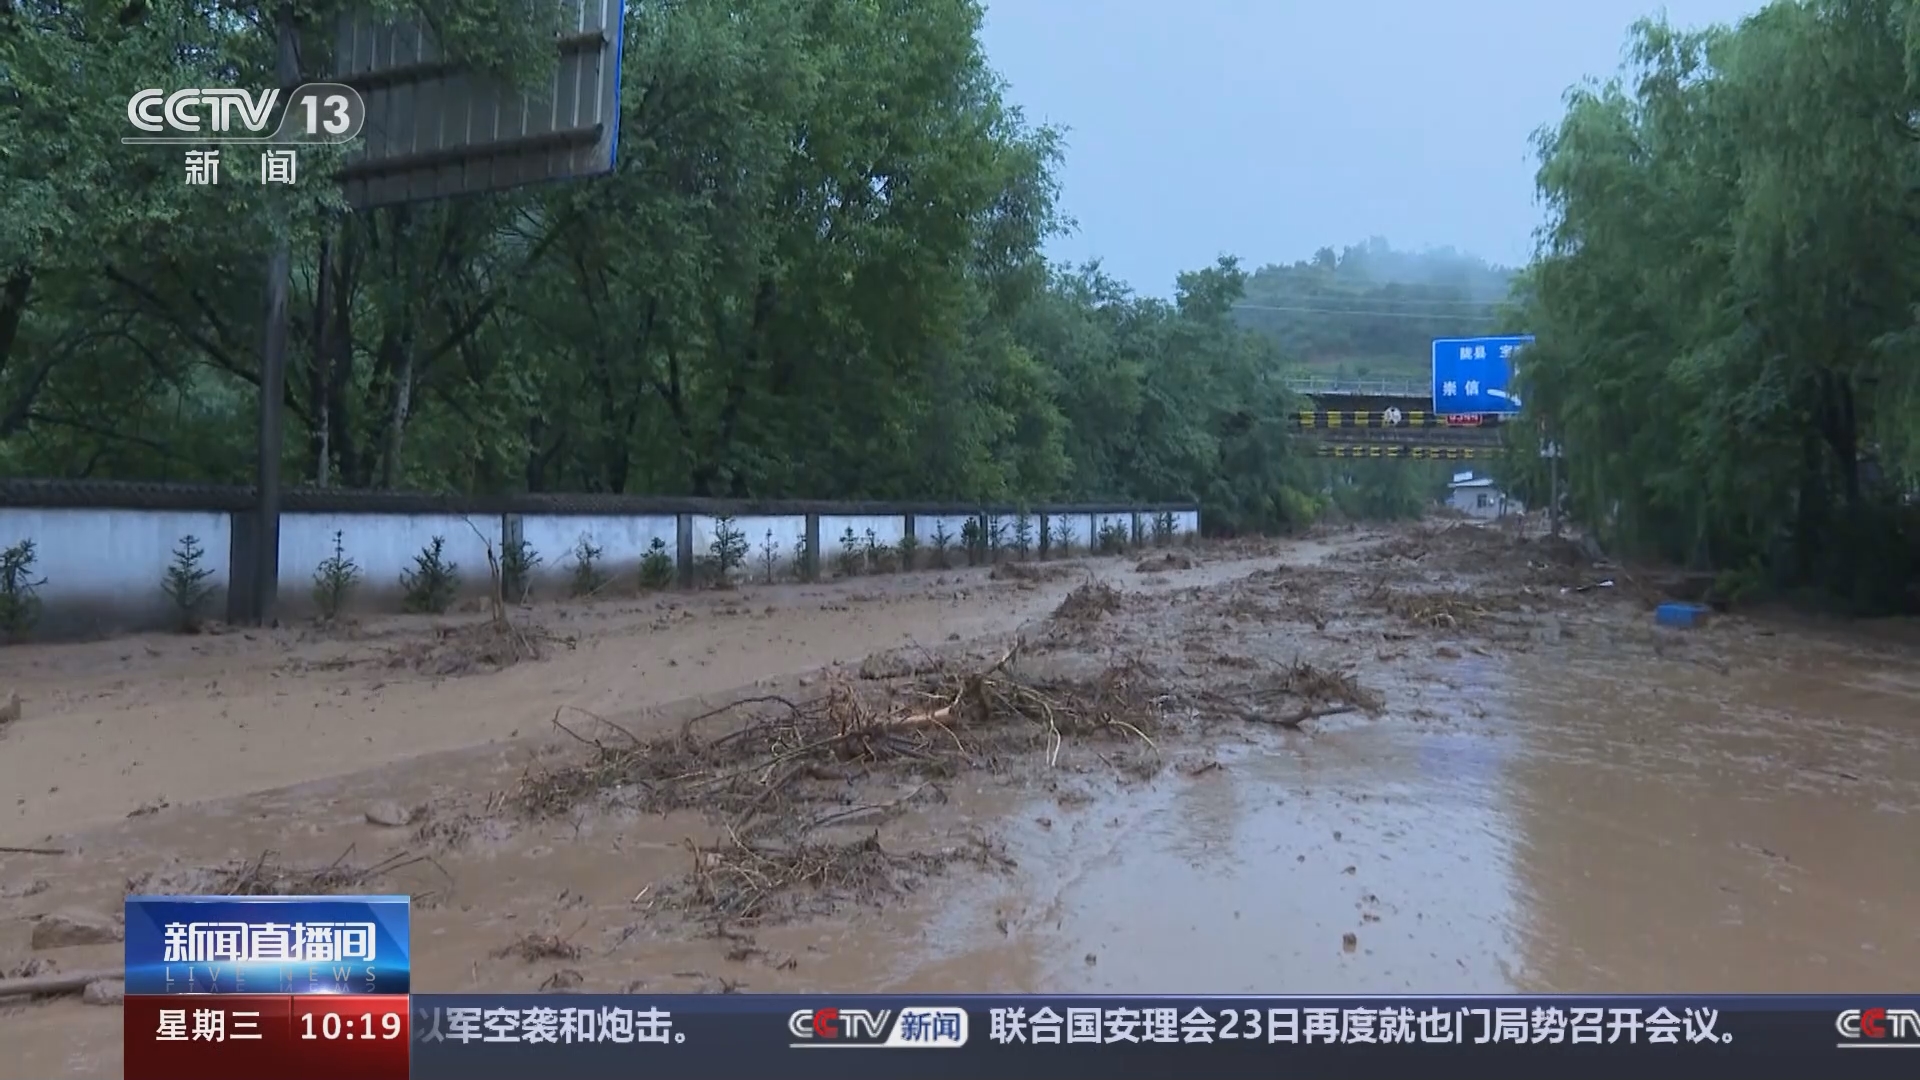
1662, 827
1539, 792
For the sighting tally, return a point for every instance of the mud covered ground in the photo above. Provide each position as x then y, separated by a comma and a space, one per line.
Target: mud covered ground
1445, 757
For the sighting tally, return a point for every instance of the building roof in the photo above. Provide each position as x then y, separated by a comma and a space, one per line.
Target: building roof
1482, 482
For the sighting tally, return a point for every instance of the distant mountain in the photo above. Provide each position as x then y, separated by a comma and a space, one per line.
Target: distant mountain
1373, 310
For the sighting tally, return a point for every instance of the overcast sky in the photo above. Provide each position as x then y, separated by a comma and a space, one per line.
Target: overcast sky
1269, 128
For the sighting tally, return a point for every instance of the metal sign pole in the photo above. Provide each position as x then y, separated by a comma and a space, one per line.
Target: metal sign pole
1553, 491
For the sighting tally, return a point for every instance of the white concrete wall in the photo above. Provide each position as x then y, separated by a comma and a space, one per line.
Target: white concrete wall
104, 568
384, 546
785, 535
1123, 522
887, 530
956, 524
623, 542
1070, 529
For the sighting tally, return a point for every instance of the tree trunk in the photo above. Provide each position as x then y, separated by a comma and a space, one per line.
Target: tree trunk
320, 374
390, 471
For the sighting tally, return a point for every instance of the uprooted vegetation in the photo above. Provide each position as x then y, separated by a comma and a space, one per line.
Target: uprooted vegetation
1289, 697
784, 779
1088, 603
782, 755
1440, 609
777, 772
476, 647
1472, 548
265, 875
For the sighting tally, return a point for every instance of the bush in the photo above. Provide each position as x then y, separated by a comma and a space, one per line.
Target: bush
879, 556
850, 554
19, 590
186, 582
769, 557
1113, 538
656, 566
805, 558
942, 542
587, 577
909, 550
729, 548
335, 580
1062, 535
1163, 529
433, 582
973, 538
518, 561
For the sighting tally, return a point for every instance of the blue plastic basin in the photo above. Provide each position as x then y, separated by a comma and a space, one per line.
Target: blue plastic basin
1680, 616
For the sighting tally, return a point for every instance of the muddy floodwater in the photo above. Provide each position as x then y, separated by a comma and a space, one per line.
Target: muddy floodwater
1423, 759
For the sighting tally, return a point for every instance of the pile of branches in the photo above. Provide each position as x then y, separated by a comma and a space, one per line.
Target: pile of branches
1291, 696
781, 753
776, 772
265, 875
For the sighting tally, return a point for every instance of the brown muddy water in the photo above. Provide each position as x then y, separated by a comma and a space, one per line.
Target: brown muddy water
1554, 797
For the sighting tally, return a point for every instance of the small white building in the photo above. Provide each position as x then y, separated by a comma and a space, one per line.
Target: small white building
1478, 497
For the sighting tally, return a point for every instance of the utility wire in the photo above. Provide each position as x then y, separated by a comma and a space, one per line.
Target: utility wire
1370, 314
1391, 301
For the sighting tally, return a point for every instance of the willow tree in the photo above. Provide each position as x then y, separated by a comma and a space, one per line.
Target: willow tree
1724, 297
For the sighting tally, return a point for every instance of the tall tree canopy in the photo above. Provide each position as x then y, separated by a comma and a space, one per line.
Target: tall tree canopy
816, 272
1727, 298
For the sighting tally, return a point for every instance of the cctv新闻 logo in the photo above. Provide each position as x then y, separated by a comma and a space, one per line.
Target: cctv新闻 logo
159, 112
922, 1026
1878, 1027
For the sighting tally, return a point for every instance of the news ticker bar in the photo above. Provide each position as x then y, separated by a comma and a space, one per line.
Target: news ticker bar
748, 1037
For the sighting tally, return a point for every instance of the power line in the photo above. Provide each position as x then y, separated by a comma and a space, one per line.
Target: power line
1370, 314
1391, 301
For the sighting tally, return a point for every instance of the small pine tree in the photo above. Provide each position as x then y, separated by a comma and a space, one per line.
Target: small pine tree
848, 558
587, 578
942, 541
1023, 535
909, 553
805, 558
518, 561
1163, 529
656, 566
1063, 535
186, 582
769, 557
434, 580
973, 539
996, 537
335, 580
19, 597
729, 548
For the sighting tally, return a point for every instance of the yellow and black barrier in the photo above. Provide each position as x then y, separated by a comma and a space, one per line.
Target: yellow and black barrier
1371, 418
1394, 450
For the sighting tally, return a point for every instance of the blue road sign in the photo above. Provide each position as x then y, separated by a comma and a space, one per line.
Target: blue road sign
1472, 375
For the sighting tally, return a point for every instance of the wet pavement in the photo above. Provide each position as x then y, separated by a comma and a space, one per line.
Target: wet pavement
1605, 828
1601, 807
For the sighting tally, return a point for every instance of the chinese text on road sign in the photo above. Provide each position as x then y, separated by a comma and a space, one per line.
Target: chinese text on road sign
1475, 375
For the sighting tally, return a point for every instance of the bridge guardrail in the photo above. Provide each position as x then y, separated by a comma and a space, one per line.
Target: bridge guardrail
1328, 384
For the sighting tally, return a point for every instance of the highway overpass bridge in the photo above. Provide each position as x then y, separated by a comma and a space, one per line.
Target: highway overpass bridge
1387, 418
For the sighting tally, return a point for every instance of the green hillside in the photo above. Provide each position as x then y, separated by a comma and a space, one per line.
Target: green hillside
1372, 310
